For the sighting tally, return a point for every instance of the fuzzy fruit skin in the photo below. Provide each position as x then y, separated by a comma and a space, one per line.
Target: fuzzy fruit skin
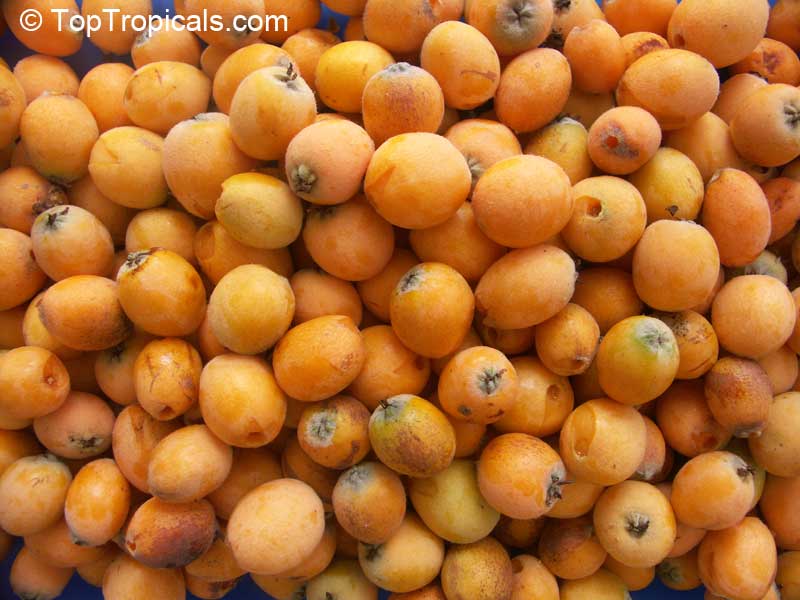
350, 241
636, 524
270, 91
452, 48
68, 241
162, 94
740, 561
166, 377
603, 442
85, 312
514, 211
60, 132
254, 322
370, 502
637, 360
478, 385
684, 279
737, 214
412, 436
343, 577
400, 99
422, 554
533, 89
512, 27
481, 570
543, 402
739, 394
9, 123
776, 448
188, 464
34, 578
751, 328
530, 576
343, 71
319, 358
33, 383
259, 211
417, 180
390, 368
240, 400
723, 31
431, 309
722, 473
512, 294
166, 535
162, 292
99, 483
22, 276
601, 585
26, 506
326, 161
133, 439
567, 343
264, 520
569, 548
698, 346
126, 577
693, 88
452, 506
198, 156
335, 432
520, 475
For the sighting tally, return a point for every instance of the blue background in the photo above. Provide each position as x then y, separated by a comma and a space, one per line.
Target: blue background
11, 50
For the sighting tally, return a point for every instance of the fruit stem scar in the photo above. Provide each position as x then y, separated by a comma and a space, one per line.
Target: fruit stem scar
410, 280
322, 212
54, 219
117, 351
475, 167
303, 179
637, 524
289, 77
77, 541
745, 472
400, 67
554, 489
562, 5
373, 551
792, 115
356, 476
136, 259
668, 571
555, 40
520, 12
489, 380
655, 339
322, 426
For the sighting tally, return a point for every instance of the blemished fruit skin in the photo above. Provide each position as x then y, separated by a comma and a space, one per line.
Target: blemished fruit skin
466, 300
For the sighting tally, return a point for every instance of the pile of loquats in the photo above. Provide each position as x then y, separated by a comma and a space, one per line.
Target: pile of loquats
490, 301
